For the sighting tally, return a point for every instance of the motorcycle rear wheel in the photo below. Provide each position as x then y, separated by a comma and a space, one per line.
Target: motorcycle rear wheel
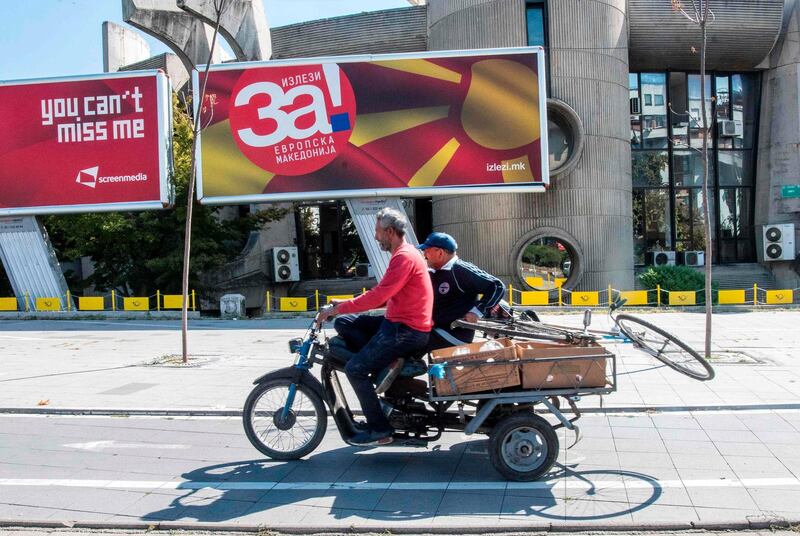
278, 434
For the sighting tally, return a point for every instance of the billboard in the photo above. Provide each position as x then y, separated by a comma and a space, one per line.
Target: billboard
385, 125
85, 144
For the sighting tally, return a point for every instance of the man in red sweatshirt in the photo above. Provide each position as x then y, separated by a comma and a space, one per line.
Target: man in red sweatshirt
378, 340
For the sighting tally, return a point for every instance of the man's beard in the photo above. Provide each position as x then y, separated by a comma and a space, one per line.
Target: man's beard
385, 245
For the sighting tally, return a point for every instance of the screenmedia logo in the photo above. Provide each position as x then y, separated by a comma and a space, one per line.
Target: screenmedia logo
90, 177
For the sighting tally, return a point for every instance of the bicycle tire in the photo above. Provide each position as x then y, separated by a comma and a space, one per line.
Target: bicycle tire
704, 372
508, 329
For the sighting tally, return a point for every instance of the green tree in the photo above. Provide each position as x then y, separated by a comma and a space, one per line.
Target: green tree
140, 252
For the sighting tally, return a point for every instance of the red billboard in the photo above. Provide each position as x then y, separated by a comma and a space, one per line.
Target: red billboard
397, 125
85, 144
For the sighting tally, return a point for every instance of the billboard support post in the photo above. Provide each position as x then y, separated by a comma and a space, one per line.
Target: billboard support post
30, 260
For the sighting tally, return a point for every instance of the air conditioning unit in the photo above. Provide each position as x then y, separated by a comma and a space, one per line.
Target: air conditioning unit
285, 265
729, 129
692, 258
364, 270
636, 107
778, 242
661, 258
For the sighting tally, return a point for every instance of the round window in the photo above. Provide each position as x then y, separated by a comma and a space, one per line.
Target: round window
565, 137
560, 143
546, 263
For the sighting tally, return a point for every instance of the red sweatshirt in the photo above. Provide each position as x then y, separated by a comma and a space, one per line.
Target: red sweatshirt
405, 289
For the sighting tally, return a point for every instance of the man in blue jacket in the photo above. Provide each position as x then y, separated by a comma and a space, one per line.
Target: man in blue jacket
456, 287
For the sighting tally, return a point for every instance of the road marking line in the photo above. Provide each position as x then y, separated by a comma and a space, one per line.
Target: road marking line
100, 445
622, 483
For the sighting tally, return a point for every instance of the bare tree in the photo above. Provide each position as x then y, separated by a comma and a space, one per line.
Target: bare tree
219, 8
699, 14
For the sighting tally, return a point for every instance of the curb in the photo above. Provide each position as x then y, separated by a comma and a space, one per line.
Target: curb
765, 524
162, 412
97, 315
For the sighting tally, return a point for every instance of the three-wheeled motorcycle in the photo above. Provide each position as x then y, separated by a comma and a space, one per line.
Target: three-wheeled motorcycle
285, 415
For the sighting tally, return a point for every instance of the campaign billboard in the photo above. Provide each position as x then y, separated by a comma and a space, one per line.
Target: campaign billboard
85, 144
416, 124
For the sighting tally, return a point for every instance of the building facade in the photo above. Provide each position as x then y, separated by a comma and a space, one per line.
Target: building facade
625, 133
624, 86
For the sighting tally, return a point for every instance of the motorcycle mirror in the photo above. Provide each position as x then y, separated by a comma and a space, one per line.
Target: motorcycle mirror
587, 318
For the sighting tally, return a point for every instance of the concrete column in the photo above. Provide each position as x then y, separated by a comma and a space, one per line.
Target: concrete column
243, 24
122, 46
186, 35
779, 141
591, 205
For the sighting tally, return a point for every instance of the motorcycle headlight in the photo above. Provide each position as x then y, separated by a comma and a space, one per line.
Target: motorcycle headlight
294, 345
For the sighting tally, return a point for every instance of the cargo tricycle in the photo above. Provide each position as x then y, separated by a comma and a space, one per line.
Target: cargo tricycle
500, 387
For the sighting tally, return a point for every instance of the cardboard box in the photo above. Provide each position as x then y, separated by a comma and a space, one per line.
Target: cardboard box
566, 374
476, 378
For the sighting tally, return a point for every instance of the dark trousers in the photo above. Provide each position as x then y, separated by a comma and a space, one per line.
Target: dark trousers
377, 342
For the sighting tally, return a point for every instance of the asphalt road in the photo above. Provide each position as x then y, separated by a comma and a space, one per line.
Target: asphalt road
658, 471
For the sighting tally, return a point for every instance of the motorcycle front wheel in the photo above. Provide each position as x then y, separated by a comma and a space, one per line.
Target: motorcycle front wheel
281, 434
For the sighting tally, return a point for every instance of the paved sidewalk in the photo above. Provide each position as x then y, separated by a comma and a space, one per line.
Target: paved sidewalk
126, 364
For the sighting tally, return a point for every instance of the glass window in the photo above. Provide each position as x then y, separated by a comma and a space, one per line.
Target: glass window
735, 168
679, 114
722, 97
689, 230
744, 105
696, 110
651, 222
735, 221
636, 132
635, 111
659, 100
650, 168
648, 99
545, 261
654, 132
559, 142
687, 168
534, 16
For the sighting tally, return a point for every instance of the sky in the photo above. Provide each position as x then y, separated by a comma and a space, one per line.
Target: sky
44, 38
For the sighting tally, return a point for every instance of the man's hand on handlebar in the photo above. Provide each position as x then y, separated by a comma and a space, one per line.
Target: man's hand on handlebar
328, 312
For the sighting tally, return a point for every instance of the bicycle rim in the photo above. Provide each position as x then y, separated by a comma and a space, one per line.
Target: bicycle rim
665, 347
265, 418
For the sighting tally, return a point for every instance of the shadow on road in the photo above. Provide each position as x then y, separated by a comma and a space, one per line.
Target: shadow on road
228, 491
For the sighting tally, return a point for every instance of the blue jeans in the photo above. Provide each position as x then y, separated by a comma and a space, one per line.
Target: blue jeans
377, 342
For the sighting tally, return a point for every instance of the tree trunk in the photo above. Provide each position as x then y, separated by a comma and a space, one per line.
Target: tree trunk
705, 193
187, 237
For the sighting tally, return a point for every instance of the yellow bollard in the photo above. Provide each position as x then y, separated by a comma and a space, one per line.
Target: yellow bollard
69, 305
363, 290
113, 300
158, 300
316, 299
560, 298
510, 294
755, 294
27, 305
193, 304
269, 303
658, 295
609, 295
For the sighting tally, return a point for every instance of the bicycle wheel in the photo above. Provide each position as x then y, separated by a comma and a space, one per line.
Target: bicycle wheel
665, 347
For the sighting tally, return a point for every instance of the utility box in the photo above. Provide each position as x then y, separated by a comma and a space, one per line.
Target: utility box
285, 266
232, 306
777, 242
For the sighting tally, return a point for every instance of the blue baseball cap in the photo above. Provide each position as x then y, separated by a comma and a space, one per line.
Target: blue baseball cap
440, 240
